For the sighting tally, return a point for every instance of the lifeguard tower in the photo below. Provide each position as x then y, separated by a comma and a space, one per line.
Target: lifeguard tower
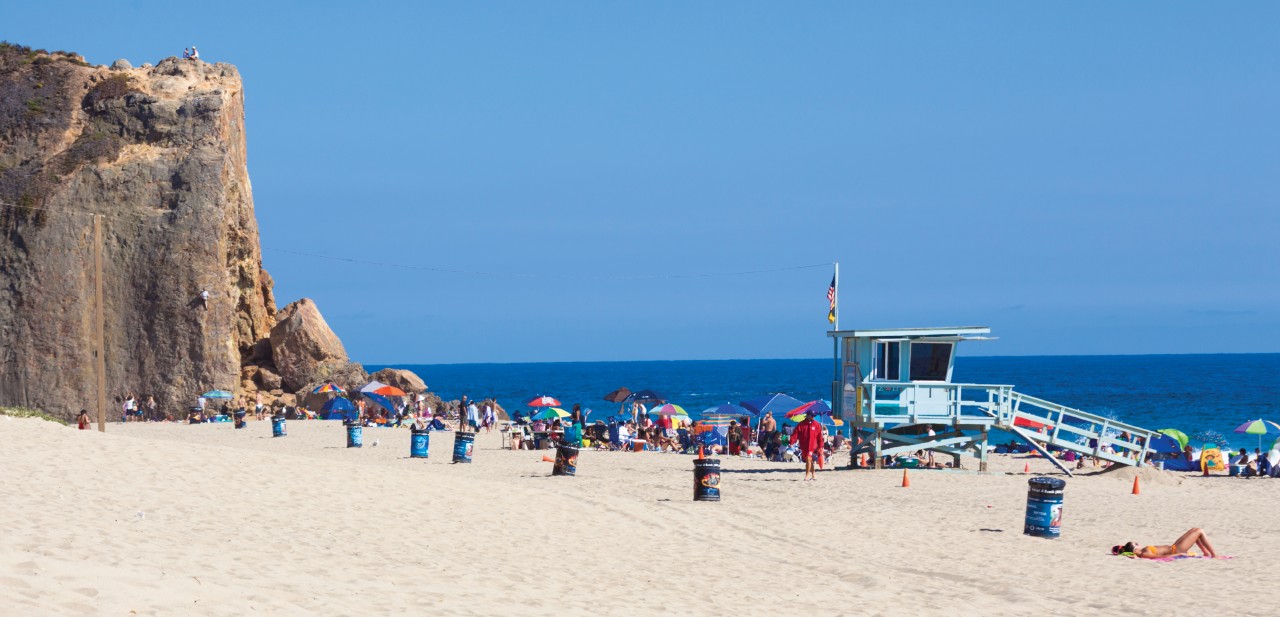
893, 388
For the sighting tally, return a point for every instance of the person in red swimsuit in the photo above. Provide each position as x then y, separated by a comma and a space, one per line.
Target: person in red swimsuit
83, 420
808, 438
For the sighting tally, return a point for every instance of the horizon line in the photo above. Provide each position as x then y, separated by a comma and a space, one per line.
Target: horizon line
825, 359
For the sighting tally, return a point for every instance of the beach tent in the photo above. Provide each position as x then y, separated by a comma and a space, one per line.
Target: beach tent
1165, 444
339, 408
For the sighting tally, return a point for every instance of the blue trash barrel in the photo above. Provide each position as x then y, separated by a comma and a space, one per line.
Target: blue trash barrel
355, 435
277, 426
1044, 507
463, 444
706, 479
419, 444
566, 460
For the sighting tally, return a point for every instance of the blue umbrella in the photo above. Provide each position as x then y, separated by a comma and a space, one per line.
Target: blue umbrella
381, 401
774, 403
725, 410
217, 394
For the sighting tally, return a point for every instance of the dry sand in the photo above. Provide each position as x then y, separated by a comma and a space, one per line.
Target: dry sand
206, 520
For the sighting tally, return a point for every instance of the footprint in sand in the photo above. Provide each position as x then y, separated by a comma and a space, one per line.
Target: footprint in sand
86, 591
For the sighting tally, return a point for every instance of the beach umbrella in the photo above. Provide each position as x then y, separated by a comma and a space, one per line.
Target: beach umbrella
1259, 428
726, 410
543, 401
217, 394
551, 413
618, 396
773, 403
381, 401
389, 391
328, 386
817, 408
1177, 436
373, 386
669, 410
649, 396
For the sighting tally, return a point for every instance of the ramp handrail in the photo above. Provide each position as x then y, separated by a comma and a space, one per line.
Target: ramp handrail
1001, 406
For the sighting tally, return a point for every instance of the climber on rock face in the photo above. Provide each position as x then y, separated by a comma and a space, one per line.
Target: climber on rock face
204, 298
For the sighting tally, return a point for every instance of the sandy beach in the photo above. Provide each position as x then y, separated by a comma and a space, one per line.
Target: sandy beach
170, 519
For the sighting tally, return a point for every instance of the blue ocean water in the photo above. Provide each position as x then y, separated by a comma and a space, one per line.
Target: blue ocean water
1192, 393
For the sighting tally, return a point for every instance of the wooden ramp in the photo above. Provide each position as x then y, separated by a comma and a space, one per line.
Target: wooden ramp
898, 416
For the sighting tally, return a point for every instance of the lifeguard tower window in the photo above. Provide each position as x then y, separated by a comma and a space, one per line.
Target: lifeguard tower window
887, 360
929, 361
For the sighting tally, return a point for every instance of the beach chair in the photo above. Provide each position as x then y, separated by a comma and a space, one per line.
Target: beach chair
686, 440
615, 442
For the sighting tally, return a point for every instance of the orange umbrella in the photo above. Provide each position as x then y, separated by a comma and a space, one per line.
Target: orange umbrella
389, 391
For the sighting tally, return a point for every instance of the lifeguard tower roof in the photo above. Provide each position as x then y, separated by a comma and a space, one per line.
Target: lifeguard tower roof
952, 331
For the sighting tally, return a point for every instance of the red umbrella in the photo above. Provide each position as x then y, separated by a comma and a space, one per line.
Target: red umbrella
543, 401
389, 391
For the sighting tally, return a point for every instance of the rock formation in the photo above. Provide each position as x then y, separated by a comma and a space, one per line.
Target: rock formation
157, 156
401, 378
303, 347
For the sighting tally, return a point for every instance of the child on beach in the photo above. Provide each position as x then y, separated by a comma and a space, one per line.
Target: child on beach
82, 421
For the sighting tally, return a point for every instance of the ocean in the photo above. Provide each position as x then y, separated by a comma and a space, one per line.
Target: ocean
1193, 393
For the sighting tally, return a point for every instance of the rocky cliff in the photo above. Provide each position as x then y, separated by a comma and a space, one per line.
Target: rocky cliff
158, 153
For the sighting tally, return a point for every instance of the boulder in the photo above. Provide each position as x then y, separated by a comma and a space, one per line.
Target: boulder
404, 379
303, 347
269, 380
121, 65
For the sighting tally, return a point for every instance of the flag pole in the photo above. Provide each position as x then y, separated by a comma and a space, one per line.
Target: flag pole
837, 277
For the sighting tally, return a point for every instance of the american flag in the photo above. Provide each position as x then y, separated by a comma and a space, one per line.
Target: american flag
831, 297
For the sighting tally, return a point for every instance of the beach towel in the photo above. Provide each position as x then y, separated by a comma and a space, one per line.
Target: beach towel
1174, 557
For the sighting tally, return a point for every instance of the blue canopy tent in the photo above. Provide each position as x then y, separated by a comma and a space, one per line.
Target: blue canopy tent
339, 408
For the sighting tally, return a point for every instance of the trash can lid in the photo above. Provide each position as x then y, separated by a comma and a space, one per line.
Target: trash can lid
1043, 483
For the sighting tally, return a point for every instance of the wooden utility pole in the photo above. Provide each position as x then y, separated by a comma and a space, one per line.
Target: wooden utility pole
99, 351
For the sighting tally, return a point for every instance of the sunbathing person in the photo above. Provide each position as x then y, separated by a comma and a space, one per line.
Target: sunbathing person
1194, 537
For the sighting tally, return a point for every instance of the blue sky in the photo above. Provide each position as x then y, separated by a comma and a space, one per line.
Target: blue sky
1086, 177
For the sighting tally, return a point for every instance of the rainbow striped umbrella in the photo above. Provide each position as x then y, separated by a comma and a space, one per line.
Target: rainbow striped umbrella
551, 413
328, 386
1258, 427
669, 410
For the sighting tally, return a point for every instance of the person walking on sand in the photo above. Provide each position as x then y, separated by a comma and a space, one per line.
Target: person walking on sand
808, 439
462, 413
490, 418
150, 406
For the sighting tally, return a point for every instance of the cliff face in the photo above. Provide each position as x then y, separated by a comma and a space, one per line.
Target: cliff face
159, 153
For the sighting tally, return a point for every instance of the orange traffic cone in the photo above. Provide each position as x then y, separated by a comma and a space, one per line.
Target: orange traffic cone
701, 454
547, 459
1136, 490
1026, 468
906, 481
